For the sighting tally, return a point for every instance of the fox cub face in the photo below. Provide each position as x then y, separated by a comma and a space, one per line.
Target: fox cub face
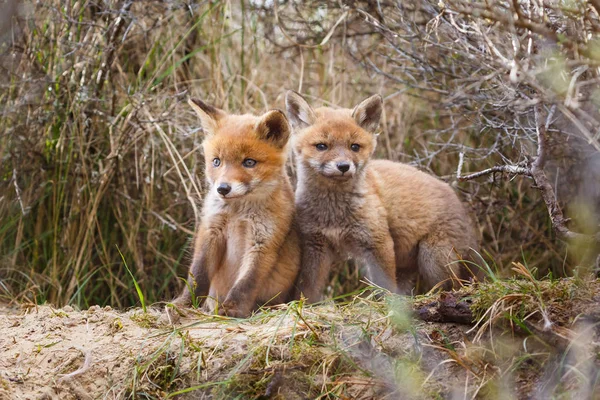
244, 154
334, 145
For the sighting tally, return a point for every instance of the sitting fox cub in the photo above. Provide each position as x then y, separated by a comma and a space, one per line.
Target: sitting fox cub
246, 250
396, 219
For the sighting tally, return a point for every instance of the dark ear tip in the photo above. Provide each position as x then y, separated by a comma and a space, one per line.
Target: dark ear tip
376, 97
281, 112
207, 108
196, 101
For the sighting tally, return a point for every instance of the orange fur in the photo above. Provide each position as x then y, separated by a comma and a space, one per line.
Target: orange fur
400, 221
246, 250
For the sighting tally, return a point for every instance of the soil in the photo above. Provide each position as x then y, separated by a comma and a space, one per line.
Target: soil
48, 353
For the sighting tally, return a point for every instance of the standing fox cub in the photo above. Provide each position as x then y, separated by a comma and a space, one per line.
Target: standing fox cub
246, 250
398, 220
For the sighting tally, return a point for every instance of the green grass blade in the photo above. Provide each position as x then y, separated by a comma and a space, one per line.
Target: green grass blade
137, 286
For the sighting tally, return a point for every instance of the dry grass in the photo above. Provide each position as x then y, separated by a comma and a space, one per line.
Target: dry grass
99, 150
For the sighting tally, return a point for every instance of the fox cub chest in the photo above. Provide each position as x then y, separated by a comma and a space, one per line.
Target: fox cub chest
337, 220
235, 238
234, 235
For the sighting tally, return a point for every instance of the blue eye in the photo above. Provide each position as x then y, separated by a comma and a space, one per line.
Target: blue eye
321, 147
355, 147
216, 162
249, 163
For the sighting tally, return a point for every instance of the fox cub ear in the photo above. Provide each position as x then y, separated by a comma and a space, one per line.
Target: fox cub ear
209, 115
274, 128
368, 113
300, 113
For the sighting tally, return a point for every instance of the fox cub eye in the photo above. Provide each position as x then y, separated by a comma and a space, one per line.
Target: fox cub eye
249, 163
321, 147
216, 162
355, 147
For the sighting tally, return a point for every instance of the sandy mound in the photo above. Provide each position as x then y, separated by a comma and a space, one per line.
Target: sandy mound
363, 349
48, 353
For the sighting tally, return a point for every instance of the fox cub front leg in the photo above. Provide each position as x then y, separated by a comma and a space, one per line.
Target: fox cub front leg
381, 262
316, 265
208, 251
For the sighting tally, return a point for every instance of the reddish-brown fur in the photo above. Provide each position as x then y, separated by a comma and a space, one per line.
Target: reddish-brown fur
246, 250
400, 221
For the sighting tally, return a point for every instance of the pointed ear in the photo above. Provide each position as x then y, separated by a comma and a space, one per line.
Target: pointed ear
274, 128
299, 112
209, 115
368, 113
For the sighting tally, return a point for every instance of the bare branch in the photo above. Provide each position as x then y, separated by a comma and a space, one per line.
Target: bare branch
509, 169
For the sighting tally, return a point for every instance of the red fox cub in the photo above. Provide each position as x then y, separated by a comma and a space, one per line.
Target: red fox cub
399, 221
246, 250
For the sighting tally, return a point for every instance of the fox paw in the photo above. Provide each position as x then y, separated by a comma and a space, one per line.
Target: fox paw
232, 310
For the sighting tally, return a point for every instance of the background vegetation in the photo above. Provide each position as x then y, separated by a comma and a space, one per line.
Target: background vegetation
99, 151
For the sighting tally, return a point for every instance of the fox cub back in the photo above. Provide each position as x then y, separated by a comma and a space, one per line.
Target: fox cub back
399, 221
246, 251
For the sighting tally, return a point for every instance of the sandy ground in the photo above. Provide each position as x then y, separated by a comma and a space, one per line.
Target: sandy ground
48, 353
40, 346
102, 353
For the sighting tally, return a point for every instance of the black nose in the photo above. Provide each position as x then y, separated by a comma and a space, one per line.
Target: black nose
343, 166
223, 189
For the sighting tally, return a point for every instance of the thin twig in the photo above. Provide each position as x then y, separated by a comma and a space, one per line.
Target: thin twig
18, 191
510, 169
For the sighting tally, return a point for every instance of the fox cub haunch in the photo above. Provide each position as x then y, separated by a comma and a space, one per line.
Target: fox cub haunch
399, 221
246, 251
